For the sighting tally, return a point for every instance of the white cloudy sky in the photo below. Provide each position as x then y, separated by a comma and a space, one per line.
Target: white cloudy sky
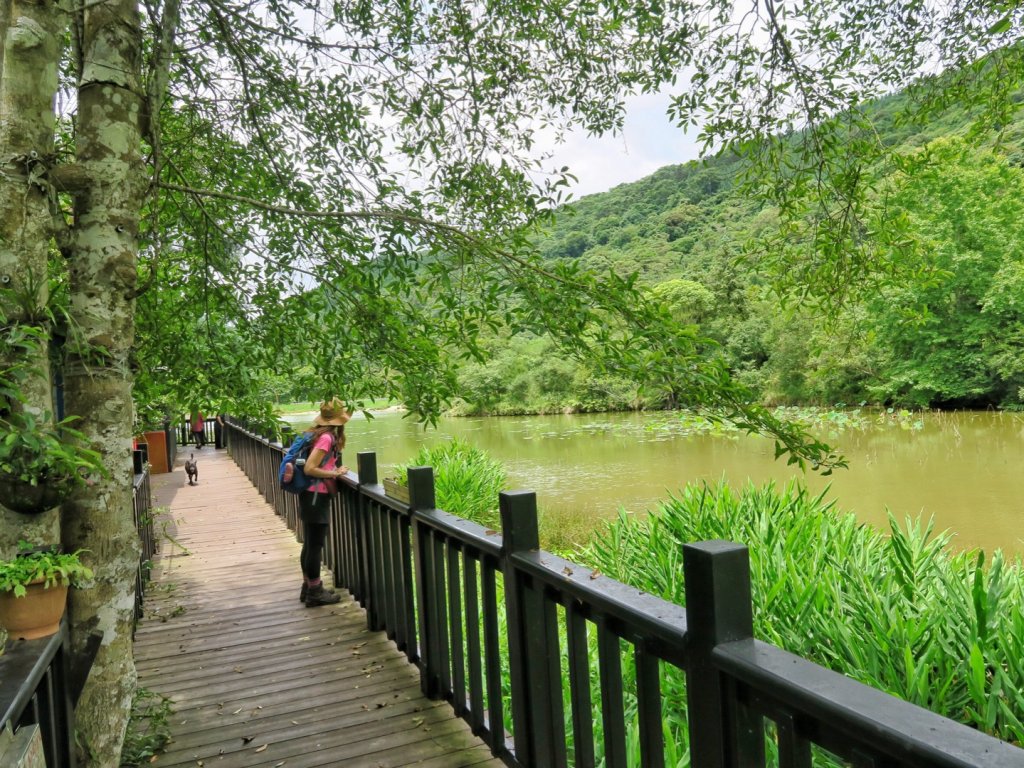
648, 142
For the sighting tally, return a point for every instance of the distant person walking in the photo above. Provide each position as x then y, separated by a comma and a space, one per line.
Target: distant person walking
218, 431
323, 462
198, 429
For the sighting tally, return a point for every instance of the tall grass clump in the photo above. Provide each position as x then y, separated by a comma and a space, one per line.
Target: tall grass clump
900, 611
466, 480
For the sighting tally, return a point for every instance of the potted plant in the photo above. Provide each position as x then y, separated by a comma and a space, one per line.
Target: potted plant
397, 488
41, 462
34, 589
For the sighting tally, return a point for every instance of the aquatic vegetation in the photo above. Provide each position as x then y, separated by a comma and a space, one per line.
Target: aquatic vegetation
466, 480
897, 611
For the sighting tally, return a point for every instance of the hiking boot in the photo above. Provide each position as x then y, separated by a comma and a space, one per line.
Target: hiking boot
305, 591
319, 596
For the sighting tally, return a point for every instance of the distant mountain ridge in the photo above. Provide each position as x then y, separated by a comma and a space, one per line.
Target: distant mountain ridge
951, 336
679, 207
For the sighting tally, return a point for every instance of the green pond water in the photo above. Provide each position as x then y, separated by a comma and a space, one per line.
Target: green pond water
965, 469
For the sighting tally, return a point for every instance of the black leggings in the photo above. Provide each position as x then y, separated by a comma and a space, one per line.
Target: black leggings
313, 507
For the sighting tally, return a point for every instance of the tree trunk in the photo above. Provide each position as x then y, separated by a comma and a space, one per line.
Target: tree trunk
6, 8
28, 85
98, 376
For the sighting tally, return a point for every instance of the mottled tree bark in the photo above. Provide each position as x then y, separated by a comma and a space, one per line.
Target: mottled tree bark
98, 377
6, 7
28, 85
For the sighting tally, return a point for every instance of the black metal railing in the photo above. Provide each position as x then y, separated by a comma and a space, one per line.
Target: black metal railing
495, 625
142, 514
36, 690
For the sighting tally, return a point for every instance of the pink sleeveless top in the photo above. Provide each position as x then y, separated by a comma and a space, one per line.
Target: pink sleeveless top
326, 444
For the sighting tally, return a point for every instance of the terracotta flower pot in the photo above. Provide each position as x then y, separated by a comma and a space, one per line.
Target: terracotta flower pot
37, 614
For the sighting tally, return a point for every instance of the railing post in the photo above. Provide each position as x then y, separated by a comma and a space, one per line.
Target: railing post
366, 466
429, 594
723, 733
538, 723
275, 492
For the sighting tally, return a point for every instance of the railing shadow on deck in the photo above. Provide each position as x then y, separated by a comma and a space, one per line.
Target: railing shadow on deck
495, 624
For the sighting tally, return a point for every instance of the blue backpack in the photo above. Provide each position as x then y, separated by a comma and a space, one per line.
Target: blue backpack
290, 474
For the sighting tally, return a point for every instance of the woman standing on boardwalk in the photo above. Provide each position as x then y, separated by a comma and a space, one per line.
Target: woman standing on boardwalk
324, 462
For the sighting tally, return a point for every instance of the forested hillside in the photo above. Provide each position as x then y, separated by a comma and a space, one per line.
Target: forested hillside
942, 325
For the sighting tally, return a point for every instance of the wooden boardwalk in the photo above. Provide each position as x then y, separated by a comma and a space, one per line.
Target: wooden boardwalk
255, 677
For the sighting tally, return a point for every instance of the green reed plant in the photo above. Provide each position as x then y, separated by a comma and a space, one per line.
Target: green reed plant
899, 611
466, 480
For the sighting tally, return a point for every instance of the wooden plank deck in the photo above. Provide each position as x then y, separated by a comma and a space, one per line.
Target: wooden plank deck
255, 677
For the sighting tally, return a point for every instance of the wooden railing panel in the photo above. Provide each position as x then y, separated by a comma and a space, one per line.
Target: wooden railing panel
579, 684
495, 728
648, 695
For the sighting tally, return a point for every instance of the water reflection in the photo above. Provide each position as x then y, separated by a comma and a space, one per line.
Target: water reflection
965, 469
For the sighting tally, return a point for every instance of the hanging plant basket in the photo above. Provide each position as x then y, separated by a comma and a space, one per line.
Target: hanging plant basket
28, 499
35, 615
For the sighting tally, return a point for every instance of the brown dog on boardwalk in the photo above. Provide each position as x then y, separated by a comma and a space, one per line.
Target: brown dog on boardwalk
192, 469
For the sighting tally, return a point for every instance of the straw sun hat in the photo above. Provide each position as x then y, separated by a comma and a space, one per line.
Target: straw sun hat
332, 413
